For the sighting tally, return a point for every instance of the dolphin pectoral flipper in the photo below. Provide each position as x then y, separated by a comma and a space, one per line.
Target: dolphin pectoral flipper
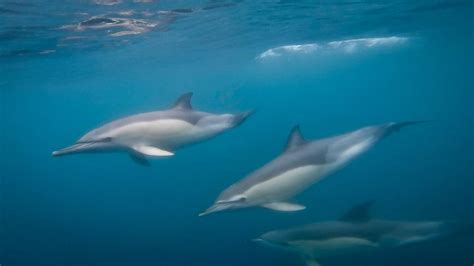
284, 206
151, 151
310, 260
139, 158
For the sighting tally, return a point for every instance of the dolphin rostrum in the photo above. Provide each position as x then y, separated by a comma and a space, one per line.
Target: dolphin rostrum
157, 133
356, 232
301, 164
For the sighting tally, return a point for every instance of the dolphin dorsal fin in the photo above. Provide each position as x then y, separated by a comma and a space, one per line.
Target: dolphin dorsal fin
295, 139
184, 102
358, 213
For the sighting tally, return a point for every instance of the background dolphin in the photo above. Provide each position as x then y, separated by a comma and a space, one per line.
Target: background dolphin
157, 133
356, 232
300, 165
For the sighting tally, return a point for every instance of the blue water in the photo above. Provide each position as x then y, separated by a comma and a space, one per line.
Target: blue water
58, 82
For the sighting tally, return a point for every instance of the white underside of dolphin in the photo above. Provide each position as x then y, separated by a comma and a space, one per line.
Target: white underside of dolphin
158, 133
289, 183
148, 137
302, 164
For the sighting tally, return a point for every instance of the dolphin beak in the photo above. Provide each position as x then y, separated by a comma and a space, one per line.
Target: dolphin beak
213, 208
262, 242
77, 148
203, 213
71, 149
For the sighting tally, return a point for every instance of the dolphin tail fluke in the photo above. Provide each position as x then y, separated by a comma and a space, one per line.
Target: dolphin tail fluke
398, 126
395, 127
457, 229
240, 118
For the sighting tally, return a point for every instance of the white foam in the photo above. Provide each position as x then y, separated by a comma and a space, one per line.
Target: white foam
289, 49
107, 2
47, 52
126, 13
353, 45
343, 46
125, 33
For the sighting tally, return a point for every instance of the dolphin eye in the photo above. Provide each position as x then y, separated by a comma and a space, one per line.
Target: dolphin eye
238, 199
242, 199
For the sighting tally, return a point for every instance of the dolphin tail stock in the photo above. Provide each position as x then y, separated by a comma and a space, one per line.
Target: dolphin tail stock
241, 117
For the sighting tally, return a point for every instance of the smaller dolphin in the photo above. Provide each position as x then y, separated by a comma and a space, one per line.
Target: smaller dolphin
302, 164
356, 232
158, 133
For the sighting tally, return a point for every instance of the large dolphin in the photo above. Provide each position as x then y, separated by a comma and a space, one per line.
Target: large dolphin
300, 165
356, 232
157, 133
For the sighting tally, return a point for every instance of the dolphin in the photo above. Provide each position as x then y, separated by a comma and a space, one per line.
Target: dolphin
356, 232
158, 133
301, 164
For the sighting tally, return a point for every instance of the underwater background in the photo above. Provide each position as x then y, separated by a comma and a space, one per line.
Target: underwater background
329, 66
